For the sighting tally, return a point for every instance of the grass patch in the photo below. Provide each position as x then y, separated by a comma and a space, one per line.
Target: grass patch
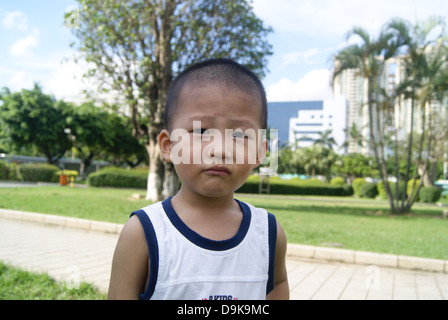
110, 205
357, 224
17, 284
360, 225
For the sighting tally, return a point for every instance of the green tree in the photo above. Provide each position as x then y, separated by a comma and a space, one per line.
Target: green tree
31, 118
365, 58
354, 137
125, 148
356, 165
90, 131
422, 46
326, 139
136, 47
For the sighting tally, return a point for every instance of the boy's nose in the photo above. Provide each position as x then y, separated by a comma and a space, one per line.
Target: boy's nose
219, 148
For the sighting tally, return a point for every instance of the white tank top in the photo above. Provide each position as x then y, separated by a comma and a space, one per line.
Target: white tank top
186, 266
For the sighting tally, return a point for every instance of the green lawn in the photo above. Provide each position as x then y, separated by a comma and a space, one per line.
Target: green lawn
350, 223
361, 225
17, 284
111, 205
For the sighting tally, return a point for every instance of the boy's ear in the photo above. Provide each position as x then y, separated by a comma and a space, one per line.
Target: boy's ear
262, 151
164, 141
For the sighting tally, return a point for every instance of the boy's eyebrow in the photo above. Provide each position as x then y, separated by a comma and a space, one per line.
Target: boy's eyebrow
234, 123
240, 122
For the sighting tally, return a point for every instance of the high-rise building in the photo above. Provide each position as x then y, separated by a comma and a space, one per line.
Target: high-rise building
354, 87
301, 123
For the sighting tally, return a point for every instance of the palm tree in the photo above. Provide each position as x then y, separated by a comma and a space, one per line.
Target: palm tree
424, 64
368, 58
354, 137
310, 159
425, 57
325, 139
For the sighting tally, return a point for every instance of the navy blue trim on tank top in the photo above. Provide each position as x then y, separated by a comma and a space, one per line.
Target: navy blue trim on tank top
272, 227
153, 248
205, 243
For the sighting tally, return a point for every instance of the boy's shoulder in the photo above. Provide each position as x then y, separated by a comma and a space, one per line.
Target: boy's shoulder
152, 207
254, 208
149, 210
164, 206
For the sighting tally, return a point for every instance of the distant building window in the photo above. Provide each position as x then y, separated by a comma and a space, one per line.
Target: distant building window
304, 139
307, 132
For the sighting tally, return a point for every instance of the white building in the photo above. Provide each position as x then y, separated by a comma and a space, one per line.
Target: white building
309, 125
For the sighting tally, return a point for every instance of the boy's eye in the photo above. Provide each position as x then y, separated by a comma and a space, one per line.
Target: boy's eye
199, 131
239, 135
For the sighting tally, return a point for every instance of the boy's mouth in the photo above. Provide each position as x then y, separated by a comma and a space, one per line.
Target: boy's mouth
217, 171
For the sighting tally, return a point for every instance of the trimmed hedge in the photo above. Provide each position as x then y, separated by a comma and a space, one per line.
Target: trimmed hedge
4, 170
392, 186
357, 184
118, 178
369, 190
338, 181
38, 172
296, 187
430, 194
9, 171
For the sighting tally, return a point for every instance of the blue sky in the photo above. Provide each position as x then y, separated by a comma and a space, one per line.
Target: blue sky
34, 42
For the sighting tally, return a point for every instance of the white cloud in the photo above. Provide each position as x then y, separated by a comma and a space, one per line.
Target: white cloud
294, 57
315, 85
20, 79
56, 72
323, 18
22, 47
65, 80
15, 20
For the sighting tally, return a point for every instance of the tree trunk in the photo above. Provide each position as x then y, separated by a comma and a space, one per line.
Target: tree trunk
429, 176
155, 175
162, 178
379, 157
171, 180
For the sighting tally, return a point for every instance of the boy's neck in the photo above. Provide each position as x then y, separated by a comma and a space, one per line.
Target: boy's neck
204, 203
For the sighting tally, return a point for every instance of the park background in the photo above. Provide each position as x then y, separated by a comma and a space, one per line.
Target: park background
69, 116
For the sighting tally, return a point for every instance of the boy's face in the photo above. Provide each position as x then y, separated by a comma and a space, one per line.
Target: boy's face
215, 142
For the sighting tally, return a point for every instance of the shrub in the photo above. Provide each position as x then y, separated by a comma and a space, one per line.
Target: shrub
356, 184
296, 187
38, 172
430, 194
4, 170
409, 188
118, 178
369, 190
382, 191
14, 174
337, 181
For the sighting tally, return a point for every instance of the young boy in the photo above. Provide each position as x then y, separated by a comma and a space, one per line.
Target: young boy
202, 243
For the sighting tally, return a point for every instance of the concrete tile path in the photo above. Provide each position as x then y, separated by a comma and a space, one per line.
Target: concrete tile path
69, 254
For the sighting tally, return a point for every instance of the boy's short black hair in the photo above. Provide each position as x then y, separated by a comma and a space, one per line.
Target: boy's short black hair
222, 72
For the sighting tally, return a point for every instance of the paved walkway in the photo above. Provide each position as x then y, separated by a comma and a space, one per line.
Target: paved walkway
69, 254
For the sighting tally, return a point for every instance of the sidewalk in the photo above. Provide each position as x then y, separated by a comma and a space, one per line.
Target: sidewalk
70, 249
